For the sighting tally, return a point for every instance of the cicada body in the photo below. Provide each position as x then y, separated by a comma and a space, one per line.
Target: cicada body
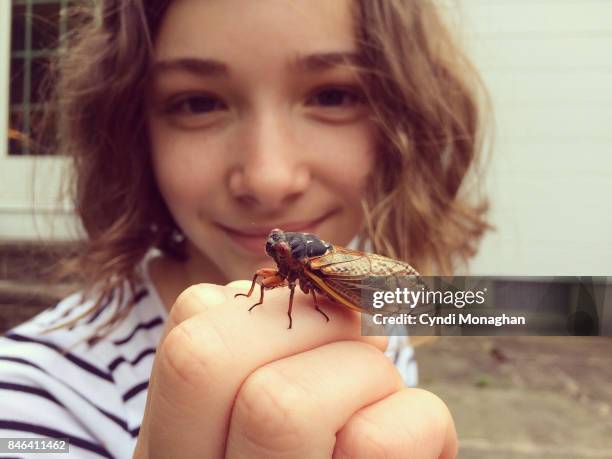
338, 273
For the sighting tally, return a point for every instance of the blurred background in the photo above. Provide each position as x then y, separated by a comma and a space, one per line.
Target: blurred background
548, 66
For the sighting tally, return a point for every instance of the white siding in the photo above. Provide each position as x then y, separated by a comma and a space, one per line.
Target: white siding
548, 66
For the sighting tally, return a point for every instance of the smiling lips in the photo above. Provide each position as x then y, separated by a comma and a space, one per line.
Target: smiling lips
254, 238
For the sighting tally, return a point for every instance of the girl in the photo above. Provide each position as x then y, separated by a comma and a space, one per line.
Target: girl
196, 127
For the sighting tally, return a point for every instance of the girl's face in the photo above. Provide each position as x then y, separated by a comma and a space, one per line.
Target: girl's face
255, 124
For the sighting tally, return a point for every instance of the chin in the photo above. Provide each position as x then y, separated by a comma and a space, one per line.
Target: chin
246, 270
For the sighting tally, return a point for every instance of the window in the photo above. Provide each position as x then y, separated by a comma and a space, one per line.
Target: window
37, 28
31, 206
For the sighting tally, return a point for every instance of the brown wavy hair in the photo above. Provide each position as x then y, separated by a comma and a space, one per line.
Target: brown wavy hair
429, 103
425, 97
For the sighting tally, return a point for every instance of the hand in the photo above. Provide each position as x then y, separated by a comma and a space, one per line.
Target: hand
228, 383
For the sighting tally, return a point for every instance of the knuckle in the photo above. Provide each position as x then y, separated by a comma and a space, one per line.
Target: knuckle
438, 412
271, 407
185, 306
380, 364
363, 438
439, 420
194, 300
240, 286
192, 353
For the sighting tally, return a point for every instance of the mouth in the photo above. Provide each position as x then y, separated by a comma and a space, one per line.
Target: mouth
253, 237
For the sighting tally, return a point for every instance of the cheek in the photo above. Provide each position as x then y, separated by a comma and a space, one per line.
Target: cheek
183, 172
349, 167
178, 191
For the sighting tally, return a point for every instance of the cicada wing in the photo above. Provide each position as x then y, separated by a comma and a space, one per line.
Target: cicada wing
357, 293
347, 292
337, 256
350, 277
353, 263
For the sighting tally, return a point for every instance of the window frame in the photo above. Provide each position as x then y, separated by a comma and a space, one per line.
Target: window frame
30, 204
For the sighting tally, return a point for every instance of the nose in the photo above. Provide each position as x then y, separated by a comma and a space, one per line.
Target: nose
271, 171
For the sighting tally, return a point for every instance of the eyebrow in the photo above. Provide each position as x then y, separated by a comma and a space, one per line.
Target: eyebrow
202, 67
317, 62
323, 61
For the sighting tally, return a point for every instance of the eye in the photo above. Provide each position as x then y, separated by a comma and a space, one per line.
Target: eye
336, 97
196, 105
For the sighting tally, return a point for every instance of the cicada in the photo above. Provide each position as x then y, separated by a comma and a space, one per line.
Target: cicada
317, 266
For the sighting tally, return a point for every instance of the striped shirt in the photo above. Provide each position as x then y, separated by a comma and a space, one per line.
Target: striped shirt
56, 385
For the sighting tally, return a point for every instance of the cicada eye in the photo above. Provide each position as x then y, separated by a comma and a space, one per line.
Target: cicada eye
270, 247
275, 238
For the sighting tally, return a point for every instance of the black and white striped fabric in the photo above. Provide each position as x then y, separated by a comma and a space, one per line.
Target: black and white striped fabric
56, 385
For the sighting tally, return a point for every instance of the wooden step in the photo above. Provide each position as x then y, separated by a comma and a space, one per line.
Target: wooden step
25, 289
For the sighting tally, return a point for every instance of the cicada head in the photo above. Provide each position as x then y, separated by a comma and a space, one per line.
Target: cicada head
276, 243
278, 248
293, 251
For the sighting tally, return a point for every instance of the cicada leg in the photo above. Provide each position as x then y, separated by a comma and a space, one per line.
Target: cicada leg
265, 273
314, 298
292, 287
261, 289
271, 279
268, 282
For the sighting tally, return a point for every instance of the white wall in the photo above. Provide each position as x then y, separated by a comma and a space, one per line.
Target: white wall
548, 64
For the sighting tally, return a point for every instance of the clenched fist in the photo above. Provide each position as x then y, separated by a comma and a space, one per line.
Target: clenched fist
226, 383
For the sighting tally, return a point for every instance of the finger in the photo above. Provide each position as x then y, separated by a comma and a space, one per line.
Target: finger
240, 285
190, 302
409, 423
292, 408
214, 346
166, 427
277, 311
